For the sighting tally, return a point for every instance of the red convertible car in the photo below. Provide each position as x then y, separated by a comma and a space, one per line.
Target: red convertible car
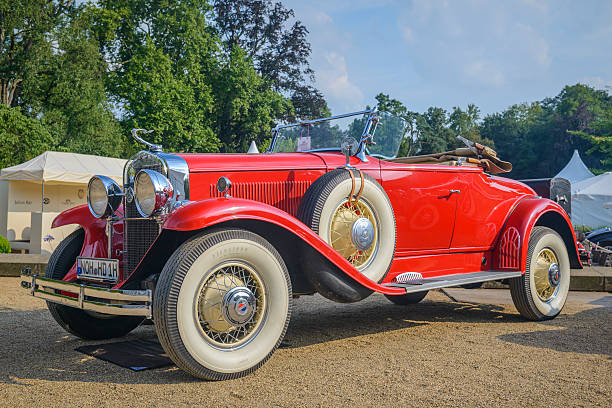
213, 248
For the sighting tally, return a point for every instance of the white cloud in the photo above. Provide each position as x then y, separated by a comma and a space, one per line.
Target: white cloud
597, 83
407, 34
485, 72
336, 86
322, 18
475, 43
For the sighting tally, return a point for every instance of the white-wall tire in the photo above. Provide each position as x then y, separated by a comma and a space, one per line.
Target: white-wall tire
206, 350
327, 194
535, 297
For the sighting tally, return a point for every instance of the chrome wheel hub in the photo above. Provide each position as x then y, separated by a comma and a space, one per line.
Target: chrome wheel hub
353, 232
362, 233
238, 306
546, 274
231, 305
554, 274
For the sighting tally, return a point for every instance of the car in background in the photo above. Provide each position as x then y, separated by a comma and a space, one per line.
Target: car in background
602, 253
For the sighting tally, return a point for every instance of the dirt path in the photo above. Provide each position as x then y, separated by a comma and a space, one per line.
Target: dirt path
372, 353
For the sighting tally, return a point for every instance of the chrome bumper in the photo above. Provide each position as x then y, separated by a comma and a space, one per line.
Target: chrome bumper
101, 300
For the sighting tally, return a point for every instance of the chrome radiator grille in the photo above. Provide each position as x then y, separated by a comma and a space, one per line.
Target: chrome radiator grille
139, 233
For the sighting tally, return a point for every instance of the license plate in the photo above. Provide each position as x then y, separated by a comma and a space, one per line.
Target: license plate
99, 269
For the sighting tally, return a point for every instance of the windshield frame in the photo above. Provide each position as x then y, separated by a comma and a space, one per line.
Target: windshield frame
367, 135
315, 121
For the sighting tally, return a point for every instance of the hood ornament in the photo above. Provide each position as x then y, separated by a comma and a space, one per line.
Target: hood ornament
152, 147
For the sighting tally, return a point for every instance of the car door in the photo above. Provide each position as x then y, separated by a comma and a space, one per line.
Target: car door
482, 207
424, 200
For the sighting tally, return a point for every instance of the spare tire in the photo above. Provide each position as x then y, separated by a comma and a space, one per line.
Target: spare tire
363, 230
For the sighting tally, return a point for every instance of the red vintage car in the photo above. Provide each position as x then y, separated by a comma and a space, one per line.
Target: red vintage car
213, 248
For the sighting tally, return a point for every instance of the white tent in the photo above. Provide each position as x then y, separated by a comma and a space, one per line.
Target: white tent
34, 192
575, 170
62, 168
592, 201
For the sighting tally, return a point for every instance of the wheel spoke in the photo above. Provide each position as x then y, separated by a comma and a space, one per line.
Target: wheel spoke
214, 308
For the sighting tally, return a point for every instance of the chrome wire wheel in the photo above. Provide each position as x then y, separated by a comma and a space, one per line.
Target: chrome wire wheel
222, 303
540, 293
546, 274
231, 305
342, 232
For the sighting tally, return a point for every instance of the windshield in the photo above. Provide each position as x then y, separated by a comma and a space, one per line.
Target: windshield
328, 133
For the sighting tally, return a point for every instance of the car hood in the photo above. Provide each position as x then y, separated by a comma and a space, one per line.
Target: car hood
251, 162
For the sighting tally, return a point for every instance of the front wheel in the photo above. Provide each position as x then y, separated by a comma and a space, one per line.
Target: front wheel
81, 323
222, 304
540, 293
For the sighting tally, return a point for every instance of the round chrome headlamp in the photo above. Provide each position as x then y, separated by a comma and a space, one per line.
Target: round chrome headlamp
103, 196
151, 192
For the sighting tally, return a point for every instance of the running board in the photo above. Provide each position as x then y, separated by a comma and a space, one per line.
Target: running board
453, 280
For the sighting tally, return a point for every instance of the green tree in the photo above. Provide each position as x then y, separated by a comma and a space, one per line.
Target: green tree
245, 107
51, 69
513, 133
600, 140
411, 137
171, 76
579, 118
467, 124
280, 49
539, 138
21, 137
163, 57
435, 135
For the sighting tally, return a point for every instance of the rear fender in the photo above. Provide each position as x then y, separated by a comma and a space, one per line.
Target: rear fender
95, 243
269, 221
510, 251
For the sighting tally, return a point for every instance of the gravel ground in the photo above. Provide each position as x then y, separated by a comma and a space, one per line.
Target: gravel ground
437, 353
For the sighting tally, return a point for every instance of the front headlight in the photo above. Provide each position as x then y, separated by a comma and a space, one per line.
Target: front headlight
103, 196
151, 192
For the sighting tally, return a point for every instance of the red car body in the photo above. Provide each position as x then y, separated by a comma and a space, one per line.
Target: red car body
484, 228
214, 247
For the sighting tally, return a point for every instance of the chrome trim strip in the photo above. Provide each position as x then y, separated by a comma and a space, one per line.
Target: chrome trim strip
310, 122
140, 301
177, 173
455, 280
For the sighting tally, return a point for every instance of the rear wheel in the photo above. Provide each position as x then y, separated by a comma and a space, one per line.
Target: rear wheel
222, 304
86, 325
408, 298
540, 293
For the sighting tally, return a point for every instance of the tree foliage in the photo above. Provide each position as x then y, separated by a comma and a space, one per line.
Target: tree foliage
51, 69
538, 138
280, 50
170, 76
21, 138
434, 130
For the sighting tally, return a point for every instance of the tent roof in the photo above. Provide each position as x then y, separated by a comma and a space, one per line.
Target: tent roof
595, 186
575, 170
62, 167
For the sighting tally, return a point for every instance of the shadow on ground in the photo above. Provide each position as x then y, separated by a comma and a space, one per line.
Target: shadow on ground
571, 334
37, 348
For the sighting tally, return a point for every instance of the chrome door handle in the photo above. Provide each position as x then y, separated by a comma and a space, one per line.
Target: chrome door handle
454, 191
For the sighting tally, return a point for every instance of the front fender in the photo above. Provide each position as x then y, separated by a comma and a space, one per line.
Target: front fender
513, 242
95, 243
210, 212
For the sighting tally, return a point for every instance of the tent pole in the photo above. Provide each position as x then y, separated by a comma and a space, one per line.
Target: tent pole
42, 199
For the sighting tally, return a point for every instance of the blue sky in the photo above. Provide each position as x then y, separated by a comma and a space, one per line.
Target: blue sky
452, 53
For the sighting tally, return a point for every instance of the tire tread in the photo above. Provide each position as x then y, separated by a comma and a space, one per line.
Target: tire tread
167, 293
